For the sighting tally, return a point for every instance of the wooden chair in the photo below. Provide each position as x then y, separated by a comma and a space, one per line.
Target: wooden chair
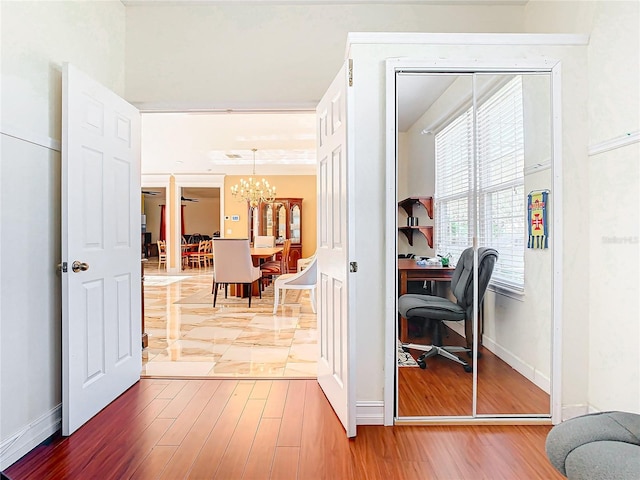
199, 257
162, 253
208, 253
274, 268
233, 264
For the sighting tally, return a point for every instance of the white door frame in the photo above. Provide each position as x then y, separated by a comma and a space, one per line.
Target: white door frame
540, 65
159, 181
185, 181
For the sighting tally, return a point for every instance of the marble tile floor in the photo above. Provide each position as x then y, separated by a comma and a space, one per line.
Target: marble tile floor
190, 338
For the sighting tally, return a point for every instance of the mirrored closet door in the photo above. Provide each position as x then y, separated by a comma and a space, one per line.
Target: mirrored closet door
474, 163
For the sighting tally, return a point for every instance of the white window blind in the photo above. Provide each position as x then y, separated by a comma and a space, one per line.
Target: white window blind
453, 179
499, 181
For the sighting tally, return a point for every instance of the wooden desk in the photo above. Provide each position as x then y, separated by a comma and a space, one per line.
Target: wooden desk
408, 270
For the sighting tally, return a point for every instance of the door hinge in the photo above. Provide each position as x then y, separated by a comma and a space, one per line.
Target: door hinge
62, 267
351, 72
353, 267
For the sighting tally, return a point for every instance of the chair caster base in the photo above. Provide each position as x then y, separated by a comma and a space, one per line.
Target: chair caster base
422, 364
467, 368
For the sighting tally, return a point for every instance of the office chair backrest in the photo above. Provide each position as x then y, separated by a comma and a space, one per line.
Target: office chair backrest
462, 278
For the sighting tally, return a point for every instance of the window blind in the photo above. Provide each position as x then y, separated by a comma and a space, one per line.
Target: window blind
499, 128
500, 163
453, 178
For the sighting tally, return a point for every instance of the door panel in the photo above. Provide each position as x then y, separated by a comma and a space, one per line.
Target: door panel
101, 307
516, 332
334, 368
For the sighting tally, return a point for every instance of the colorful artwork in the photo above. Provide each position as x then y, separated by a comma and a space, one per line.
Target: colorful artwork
538, 219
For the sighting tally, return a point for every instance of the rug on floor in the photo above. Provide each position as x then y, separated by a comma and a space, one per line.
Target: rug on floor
404, 358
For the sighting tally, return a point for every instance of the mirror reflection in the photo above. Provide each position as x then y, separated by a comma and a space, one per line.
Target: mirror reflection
295, 224
469, 155
282, 224
268, 220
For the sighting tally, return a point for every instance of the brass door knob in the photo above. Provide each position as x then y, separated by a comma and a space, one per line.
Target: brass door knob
79, 266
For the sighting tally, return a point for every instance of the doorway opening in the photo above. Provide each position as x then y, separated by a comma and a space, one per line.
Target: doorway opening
187, 336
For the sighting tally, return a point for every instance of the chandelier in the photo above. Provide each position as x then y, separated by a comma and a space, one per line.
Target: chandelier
254, 191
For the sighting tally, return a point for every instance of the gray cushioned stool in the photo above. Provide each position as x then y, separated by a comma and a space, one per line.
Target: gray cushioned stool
598, 446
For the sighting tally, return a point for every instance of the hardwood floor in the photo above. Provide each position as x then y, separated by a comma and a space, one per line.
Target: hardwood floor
278, 429
444, 388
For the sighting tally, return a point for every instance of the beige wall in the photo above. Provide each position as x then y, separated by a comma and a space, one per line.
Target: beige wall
298, 186
202, 216
252, 55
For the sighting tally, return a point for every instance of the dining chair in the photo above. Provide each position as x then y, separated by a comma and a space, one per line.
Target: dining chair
162, 253
303, 280
233, 265
264, 241
199, 257
273, 268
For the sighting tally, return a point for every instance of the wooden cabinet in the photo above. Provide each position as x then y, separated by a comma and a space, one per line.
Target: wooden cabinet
281, 218
408, 205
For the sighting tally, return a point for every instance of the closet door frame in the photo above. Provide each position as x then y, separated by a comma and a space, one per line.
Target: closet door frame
453, 66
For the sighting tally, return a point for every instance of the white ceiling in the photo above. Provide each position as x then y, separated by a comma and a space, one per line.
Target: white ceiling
222, 143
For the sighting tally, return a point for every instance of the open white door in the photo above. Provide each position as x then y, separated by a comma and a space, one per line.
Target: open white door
336, 362
101, 329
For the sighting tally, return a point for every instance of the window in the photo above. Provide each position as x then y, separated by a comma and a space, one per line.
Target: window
499, 180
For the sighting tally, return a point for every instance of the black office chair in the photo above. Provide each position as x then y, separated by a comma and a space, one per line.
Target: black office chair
438, 309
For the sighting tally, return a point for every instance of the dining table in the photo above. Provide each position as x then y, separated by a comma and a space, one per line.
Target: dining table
259, 254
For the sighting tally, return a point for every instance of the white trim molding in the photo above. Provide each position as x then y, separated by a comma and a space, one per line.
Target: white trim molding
22, 442
191, 180
554, 39
31, 137
370, 413
614, 143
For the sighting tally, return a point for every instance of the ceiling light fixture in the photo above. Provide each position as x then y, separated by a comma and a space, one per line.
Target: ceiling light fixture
254, 191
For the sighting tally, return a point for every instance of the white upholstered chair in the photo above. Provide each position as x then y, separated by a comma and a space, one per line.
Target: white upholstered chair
264, 241
303, 280
233, 264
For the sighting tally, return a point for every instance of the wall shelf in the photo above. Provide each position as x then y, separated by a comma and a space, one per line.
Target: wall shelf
426, 231
408, 203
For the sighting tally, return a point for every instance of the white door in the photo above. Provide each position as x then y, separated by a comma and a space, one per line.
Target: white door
337, 361
101, 328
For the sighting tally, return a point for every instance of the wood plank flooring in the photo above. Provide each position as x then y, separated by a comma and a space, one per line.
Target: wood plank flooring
444, 388
271, 429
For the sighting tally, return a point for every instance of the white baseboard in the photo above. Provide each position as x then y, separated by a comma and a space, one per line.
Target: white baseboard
370, 413
14, 448
535, 376
570, 411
